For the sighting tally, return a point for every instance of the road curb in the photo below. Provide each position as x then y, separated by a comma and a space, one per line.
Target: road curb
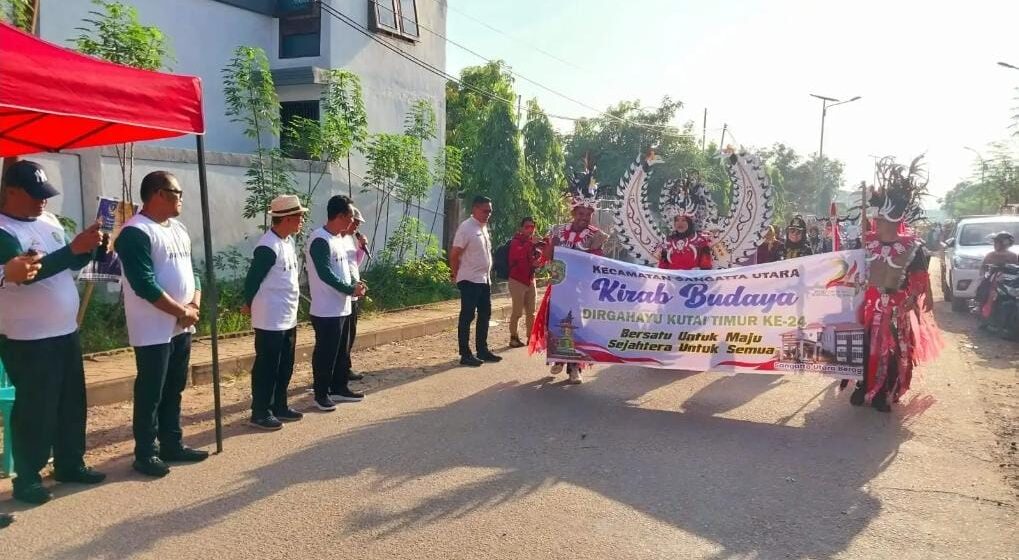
120, 389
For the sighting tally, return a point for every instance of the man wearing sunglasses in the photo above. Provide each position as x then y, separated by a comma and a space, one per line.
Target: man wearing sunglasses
161, 300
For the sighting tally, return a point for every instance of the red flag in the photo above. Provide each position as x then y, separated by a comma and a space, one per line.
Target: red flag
836, 239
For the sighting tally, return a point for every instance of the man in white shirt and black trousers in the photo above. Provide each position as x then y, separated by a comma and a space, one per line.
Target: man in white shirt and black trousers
271, 295
39, 342
471, 264
357, 253
331, 285
162, 295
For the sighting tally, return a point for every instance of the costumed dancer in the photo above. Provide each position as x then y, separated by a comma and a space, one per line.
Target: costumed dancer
579, 235
900, 329
795, 244
685, 248
771, 249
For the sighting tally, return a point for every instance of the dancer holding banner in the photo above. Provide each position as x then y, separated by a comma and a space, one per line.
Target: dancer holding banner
685, 248
896, 313
580, 235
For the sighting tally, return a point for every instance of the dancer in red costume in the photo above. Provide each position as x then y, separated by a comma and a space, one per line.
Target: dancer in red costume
685, 248
579, 235
900, 330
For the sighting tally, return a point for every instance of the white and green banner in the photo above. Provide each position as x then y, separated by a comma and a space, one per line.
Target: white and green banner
792, 316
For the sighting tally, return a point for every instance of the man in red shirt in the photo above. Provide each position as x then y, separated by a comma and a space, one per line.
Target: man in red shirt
524, 259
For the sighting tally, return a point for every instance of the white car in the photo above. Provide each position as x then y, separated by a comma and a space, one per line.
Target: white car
965, 252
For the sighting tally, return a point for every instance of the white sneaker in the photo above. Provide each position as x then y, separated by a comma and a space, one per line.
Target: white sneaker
575, 378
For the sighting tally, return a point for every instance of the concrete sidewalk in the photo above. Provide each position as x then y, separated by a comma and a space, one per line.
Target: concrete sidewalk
109, 377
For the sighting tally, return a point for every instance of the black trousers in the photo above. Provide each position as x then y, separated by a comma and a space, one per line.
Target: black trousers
162, 377
272, 370
349, 334
327, 360
474, 298
49, 410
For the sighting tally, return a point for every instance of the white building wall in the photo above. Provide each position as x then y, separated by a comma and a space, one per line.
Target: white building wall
203, 35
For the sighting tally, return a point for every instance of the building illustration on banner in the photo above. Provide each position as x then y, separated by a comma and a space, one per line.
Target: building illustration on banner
839, 343
563, 343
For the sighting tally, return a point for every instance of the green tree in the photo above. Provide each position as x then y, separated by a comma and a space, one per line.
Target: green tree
252, 101
500, 174
18, 13
545, 161
615, 138
467, 109
969, 198
342, 129
114, 33
797, 181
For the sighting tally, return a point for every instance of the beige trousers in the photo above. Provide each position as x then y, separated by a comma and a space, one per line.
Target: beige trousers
523, 296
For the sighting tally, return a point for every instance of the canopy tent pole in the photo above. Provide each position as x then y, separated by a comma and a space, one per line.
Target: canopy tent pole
209, 292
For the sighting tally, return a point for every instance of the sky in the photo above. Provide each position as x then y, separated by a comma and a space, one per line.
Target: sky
926, 71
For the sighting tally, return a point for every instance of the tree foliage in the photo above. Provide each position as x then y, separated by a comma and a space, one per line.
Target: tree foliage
995, 183
545, 161
499, 173
796, 182
115, 34
252, 101
18, 13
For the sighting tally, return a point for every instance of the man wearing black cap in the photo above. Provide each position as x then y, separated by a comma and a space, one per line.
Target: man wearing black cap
39, 341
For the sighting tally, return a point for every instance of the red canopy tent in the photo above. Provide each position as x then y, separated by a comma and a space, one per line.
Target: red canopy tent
53, 99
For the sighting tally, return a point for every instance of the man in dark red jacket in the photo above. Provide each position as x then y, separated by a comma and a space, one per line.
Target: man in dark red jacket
524, 259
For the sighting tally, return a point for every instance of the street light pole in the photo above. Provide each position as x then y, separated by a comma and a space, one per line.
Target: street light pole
824, 113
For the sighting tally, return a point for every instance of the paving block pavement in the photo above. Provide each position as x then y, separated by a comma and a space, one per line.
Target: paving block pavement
109, 377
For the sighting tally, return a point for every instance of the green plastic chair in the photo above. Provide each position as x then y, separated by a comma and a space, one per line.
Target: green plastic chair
6, 406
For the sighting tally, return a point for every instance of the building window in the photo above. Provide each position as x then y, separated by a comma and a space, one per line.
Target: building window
289, 110
301, 31
396, 17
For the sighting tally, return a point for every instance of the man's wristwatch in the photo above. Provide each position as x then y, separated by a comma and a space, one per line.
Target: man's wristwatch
3, 279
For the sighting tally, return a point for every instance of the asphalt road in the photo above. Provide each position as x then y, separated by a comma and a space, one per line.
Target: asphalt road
502, 462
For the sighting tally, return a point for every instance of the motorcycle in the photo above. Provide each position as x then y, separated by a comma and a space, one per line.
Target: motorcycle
1000, 310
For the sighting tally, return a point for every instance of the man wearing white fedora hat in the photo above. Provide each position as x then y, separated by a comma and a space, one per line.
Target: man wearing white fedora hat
271, 295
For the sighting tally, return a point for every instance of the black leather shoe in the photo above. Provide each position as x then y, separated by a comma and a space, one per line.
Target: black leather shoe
354, 376
880, 403
32, 494
470, 361
81, 475
6, 519
858, 397
489, 357
288, 415
183, 455
151, 466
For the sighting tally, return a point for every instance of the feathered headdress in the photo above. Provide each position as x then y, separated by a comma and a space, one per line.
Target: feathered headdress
900, 189
582, 189
685, 196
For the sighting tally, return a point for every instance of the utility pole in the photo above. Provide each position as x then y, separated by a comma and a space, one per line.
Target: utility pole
704, 131
520, 111
725, 128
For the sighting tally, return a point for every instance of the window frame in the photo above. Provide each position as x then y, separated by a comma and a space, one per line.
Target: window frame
396, 7
284, 122
314, 12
